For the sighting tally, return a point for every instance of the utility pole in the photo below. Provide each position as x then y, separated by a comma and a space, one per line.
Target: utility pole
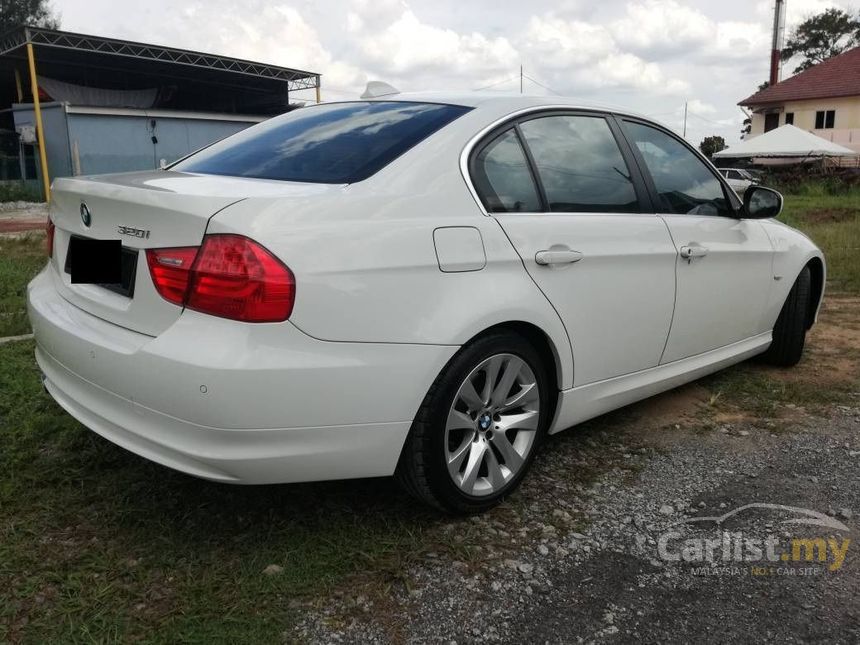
778, 41
685, 119
521, 79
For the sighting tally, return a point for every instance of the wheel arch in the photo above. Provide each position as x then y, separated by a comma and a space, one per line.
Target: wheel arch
817, 271
541, 341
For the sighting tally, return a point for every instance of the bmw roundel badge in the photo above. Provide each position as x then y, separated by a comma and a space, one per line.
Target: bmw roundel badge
86, 216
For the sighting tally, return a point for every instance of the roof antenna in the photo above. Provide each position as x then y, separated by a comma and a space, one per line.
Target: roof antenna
375, 89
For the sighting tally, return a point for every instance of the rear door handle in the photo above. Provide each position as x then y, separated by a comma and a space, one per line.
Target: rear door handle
693, 251
545, 258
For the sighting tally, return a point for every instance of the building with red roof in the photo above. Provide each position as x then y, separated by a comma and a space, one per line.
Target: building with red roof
824, 99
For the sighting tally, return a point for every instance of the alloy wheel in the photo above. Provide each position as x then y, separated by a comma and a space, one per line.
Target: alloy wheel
492, 425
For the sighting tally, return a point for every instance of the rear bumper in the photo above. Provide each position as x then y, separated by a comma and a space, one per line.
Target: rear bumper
230, 401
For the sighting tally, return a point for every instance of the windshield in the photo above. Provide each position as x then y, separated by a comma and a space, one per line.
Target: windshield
337, 143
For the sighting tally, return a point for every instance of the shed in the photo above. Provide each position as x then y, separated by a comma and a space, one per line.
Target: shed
108, 105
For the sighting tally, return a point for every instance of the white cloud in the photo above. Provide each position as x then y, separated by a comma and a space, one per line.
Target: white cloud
700, 107
648, 54
662, 28
577, 55
560, 43
400, 46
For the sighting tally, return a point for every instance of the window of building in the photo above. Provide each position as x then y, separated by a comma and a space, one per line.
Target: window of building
771, 121
825, 120
789, 118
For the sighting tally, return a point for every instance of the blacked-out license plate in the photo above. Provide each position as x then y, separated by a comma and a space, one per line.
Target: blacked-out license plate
101, 262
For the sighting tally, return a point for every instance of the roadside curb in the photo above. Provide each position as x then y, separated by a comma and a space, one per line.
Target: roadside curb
14, 339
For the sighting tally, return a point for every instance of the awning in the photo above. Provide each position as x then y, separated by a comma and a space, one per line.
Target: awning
786, 141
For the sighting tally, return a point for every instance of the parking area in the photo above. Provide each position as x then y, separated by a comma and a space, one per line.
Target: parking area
97, 544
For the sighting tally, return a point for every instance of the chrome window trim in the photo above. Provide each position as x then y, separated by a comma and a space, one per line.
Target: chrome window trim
513, 116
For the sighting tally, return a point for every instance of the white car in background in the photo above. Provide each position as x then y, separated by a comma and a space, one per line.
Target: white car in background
738, 178
422, 285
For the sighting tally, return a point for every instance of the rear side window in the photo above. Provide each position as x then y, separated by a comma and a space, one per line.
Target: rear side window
338, 143
503, 178
685, 185
580, 165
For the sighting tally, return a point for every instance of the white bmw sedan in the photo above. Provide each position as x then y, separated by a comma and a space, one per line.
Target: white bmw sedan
420, 285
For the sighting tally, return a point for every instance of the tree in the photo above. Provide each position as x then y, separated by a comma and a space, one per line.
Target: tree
38, 13
822, 36
711, 145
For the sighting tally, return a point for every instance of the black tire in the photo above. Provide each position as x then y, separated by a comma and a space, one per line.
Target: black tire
789, 333
422, 469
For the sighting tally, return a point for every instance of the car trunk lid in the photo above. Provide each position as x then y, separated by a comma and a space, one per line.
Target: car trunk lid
144, 210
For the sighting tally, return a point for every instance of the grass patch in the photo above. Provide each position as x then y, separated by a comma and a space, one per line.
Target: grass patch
97, 544
19, 191
20, 259
833, 223
759, 390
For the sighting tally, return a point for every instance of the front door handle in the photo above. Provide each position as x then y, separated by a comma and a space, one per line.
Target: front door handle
545, 258
693, 251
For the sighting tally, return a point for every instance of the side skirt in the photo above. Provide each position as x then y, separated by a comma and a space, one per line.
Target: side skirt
588, 401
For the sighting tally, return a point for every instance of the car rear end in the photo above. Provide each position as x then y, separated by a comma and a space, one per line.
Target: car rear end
191, 360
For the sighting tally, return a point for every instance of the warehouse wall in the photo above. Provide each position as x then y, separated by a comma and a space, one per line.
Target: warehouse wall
56, 137
90, 144
101, 143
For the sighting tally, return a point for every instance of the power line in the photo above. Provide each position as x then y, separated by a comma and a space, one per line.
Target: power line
486, 87
549, 89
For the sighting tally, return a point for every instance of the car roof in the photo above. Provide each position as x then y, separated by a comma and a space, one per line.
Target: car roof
505, 100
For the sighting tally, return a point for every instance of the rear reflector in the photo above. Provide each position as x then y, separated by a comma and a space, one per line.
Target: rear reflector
49, 238
230, 276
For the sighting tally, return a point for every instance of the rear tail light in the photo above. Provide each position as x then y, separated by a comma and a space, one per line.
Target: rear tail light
49, 238
230, 276
170, 270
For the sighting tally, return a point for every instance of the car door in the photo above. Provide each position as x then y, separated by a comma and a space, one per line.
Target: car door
562, 188
724, 267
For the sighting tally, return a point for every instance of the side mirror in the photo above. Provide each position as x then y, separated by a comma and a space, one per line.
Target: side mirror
761, 202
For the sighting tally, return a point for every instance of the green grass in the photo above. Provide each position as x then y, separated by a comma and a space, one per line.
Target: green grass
833, 222
759, 390
98, 545
19, 191
20, 260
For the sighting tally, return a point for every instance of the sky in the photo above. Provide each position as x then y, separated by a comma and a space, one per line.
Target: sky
651, 56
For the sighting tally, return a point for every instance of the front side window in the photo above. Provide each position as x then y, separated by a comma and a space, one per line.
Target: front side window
684, 184
503, 178
580, 165
336, 143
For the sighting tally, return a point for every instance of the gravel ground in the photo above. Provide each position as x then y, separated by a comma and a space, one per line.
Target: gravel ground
573, 557
23, 209
20, 217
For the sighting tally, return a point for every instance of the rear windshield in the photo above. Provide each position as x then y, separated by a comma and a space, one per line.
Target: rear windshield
338, 143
